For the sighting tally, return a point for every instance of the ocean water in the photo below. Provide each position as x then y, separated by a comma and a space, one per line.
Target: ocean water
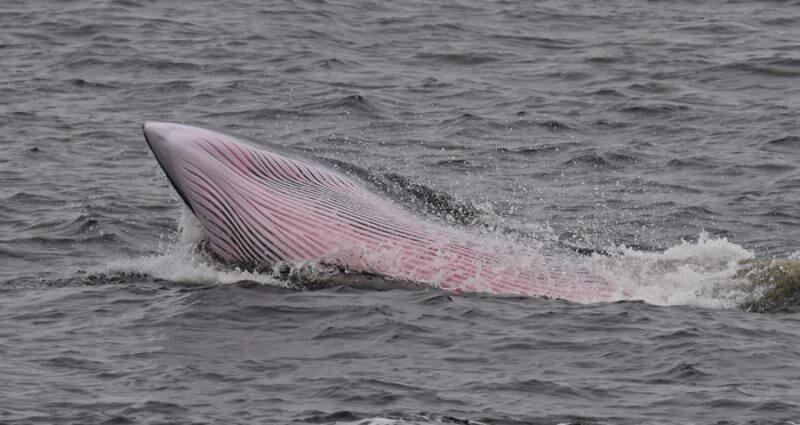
663, 137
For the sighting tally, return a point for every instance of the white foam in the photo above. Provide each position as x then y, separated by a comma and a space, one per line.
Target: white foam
183, 262
701, 273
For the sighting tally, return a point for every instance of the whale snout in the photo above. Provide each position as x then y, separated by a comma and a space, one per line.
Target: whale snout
171, 145
164, 140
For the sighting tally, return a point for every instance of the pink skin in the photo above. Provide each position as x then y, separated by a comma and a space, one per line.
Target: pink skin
259, 206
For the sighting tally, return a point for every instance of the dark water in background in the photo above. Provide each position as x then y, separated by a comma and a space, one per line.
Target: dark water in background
594, 124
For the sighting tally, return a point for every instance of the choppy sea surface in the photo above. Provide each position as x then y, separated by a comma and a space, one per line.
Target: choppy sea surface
663, 137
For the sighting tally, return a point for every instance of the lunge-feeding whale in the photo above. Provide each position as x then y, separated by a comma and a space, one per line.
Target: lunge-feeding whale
259, 205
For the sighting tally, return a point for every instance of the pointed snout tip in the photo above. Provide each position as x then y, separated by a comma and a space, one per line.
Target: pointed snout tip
160, 136
152, 127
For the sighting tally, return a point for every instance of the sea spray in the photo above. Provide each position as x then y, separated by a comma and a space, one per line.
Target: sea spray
185, 261
701, 273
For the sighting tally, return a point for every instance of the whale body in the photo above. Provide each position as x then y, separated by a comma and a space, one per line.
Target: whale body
259, 205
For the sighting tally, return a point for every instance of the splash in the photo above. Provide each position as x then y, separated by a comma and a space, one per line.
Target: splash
185, 262
701, 273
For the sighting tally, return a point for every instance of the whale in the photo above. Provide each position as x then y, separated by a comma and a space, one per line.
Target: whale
261, 204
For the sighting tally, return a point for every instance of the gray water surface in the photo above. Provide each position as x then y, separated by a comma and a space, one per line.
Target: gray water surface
671, 128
